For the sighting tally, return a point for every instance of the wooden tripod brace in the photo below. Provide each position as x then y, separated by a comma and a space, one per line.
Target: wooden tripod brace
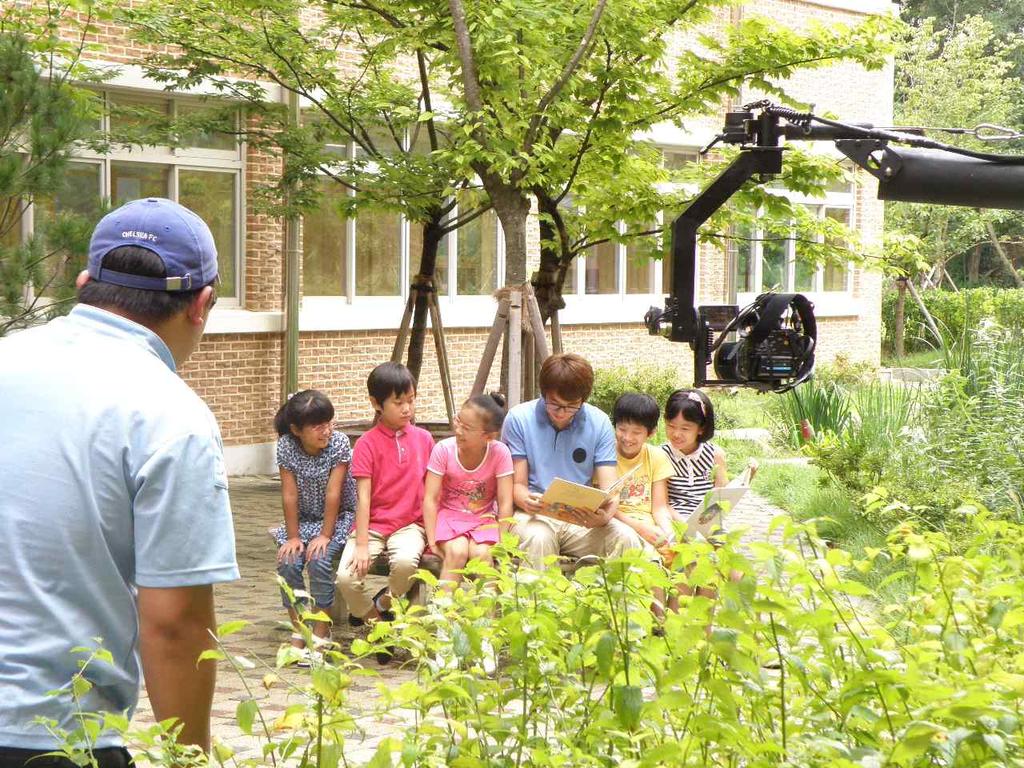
422, 284
508, 322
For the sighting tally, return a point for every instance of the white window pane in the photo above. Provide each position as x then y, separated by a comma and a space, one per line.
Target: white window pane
773, 264
569, 286
835, 275
378, 253
324, 236
131, 181
130, 114
601, 275
477, 271
638, 261
441, 265
741, 248
211, 194
79, 194
205, 139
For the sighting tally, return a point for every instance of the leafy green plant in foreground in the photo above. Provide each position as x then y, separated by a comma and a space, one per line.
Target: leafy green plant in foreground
794, 663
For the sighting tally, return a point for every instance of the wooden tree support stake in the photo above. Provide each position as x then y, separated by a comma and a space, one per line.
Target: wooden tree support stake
522, 359
440, 343
515, 347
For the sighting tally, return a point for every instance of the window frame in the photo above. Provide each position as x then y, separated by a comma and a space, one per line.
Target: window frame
176, 159
319, 305
845, 200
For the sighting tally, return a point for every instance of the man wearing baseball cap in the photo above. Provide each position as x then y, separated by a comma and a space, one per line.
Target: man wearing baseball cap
114, 513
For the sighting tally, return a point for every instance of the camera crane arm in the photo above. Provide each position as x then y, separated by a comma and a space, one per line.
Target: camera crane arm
778, 333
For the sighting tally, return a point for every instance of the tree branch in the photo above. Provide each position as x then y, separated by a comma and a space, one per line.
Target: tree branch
567, 72
464, 44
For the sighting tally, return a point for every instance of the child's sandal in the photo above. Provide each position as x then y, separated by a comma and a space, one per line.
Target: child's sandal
385, 614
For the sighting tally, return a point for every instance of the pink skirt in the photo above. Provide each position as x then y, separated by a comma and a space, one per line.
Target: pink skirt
452, 523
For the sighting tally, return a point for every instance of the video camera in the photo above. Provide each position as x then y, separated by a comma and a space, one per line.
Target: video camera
770, 344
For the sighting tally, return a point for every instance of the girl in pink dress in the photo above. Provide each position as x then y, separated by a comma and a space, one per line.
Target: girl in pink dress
468, 487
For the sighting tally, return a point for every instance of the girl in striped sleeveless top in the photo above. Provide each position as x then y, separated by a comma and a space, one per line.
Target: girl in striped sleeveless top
698, 464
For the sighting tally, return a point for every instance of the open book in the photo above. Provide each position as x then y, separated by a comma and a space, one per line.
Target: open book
563, 497
707, 518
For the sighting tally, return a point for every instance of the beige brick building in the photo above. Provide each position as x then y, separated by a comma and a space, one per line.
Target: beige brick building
356, 273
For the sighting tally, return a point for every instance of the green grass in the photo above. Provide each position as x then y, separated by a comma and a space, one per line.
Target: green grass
740, 408
800, 490
928, 358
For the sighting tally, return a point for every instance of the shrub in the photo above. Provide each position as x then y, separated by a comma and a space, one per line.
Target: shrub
954, 313
791, 665
826, 407
609, 383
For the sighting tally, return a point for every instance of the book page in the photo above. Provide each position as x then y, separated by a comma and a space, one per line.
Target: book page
707, 518
563, 497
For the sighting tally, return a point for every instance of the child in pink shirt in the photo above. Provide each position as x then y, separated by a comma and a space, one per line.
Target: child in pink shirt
468, 487
388, 463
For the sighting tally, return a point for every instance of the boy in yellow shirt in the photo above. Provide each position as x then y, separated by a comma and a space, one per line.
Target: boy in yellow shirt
643, 500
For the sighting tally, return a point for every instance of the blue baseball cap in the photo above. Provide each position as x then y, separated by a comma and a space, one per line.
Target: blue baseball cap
174, 233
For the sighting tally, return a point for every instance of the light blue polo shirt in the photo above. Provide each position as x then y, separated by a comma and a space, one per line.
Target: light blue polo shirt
111, 476
571, 453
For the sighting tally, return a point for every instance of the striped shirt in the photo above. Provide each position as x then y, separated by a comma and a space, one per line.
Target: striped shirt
693, 476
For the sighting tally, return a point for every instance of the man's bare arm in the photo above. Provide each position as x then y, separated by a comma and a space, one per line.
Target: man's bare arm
174, 628
522, 497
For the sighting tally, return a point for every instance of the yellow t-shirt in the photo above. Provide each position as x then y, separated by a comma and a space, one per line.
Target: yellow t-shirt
635, 498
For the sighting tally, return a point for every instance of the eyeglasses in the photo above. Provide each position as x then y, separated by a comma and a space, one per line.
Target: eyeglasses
562, 408
327, 426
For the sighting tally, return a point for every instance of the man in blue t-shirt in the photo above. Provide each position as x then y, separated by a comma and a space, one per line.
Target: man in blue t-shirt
114, 512
561, 435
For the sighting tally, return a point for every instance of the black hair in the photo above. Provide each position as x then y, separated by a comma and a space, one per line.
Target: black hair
637, 408
310, 406
492, 406
152, 306
389, 379
695, 407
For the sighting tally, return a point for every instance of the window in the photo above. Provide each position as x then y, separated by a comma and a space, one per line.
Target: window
476, 273
774, 262
601, 265
741, 253
213, 197
324, 244
204, 175
610, 268
639, 264
378, 261
80, 194
379, 247
678, 159
835, 277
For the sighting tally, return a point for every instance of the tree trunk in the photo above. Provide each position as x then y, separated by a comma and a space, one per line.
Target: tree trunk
1001, 252
974, 265
512, 209
928, 320
900, 320
554, 250
428, 265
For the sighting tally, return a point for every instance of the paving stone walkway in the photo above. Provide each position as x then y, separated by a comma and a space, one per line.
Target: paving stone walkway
254, 598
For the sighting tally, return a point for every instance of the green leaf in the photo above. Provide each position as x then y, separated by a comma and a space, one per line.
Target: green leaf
245, 714
604, 651
460, 642
222, 752
231, 627
382, 757
996, 743
627, 701
211, 653
80, 686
